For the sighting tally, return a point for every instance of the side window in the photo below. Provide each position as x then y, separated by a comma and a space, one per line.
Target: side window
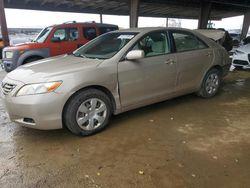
185, 41
73, 34
89, 33
61, 34
154, 44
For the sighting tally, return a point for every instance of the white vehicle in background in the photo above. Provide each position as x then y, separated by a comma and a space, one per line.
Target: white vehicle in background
241, 57
236, 38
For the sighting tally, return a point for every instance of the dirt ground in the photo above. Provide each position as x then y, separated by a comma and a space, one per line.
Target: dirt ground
184, 142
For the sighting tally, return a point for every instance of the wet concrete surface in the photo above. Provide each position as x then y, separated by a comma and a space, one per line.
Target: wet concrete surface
184, 142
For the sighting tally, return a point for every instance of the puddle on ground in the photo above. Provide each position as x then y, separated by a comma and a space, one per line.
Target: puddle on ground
240, 82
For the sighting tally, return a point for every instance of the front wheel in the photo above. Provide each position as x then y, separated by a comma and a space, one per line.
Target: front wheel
31, 59
210, 84
87, 112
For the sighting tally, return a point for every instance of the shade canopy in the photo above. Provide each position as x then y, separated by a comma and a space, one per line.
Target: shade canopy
153, 8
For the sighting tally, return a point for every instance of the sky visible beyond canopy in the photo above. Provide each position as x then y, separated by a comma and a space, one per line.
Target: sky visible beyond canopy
39, 19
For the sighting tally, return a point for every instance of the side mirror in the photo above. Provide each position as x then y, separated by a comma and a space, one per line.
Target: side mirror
135, 54
55, 39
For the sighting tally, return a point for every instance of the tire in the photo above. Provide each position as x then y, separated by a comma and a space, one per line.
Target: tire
210, 84
87, 112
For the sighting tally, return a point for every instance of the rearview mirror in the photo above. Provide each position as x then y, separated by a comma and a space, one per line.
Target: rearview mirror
55, 39
135, 54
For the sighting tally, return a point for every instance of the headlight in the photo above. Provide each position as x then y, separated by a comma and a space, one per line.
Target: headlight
40, 88
8, 54
238, 52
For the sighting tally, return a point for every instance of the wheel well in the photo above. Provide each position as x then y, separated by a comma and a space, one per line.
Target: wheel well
37, 57
107, 92
218, 67
101, 88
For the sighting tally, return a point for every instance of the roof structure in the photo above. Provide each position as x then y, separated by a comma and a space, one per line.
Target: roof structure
153, 8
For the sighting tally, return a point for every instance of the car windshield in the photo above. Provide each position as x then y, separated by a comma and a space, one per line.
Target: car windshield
41, 37
105, 46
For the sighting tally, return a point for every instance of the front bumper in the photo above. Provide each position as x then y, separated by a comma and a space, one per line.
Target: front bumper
241, 60
36, 111
10, 63
43, 111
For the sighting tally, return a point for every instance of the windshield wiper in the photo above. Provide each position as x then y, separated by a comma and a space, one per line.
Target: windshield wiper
79, 55
89, 57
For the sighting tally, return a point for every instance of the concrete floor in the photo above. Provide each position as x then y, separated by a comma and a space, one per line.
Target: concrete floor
184, 142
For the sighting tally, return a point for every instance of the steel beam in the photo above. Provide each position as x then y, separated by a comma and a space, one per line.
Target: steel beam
204, 15
3, 24
245, 27
134, 11
101, 18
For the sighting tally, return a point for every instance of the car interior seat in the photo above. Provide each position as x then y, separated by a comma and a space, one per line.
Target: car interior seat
159, 45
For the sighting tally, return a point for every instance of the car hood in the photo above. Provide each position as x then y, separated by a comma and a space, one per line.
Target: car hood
45, 69
244, 48
22, 46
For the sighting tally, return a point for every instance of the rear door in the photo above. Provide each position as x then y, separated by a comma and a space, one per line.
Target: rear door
194, 57
151, 78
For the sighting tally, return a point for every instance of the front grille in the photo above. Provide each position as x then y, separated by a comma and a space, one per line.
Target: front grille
240, 62
7, 88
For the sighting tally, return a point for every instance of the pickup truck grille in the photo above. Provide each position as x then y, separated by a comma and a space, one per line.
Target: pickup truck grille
7, 88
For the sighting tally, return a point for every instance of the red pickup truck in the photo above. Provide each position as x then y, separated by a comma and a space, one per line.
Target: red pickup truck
53, 40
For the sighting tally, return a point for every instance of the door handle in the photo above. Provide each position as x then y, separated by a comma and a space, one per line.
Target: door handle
169, 61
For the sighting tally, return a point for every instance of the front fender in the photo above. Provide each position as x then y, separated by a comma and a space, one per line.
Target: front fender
42, 52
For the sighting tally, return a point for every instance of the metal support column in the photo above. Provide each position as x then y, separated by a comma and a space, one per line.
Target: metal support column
101, 19
204, 15
246, 23
166, 22
3, 24
134, 11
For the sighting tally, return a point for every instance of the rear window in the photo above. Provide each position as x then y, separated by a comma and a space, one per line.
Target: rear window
89, 33
185, 41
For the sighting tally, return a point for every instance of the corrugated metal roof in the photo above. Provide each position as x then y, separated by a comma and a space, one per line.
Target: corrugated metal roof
154, 8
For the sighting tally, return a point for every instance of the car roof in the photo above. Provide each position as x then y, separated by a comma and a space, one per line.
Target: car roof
145, 30
85, 24
149, 29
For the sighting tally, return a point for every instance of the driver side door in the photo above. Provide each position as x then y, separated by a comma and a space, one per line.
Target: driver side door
149, 79
68, 41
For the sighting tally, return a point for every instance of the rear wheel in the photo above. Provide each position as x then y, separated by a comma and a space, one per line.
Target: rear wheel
87, 112
210, 84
